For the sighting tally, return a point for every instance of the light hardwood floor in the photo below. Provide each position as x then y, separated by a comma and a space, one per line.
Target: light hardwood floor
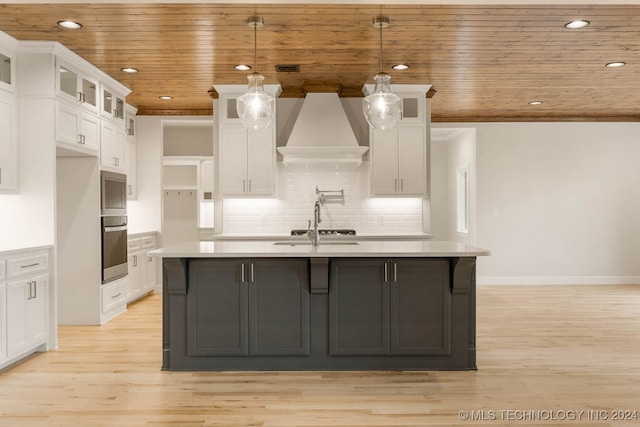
544, 351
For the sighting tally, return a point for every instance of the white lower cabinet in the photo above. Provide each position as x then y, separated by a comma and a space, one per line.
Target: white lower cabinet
114, 298
24, 305
3, 320
142, 267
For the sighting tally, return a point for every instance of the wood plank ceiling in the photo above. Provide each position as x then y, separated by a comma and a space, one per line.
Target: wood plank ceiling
485, 62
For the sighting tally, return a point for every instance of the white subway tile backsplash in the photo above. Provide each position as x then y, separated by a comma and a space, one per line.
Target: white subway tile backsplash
296, 196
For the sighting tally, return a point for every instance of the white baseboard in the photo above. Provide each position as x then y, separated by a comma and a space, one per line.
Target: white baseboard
558, 280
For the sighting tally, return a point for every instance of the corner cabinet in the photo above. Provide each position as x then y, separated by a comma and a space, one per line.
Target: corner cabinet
400, 156
248, 307
246, 158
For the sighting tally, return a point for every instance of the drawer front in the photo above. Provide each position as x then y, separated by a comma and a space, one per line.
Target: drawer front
134, 245
3, 274
26, 265
148, 242
113, 294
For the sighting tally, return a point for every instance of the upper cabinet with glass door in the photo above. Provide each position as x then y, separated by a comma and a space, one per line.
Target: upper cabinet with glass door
74, 86
7, 62
112, 104
6, 72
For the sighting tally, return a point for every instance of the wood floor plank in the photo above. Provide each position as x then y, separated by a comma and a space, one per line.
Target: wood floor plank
543, 351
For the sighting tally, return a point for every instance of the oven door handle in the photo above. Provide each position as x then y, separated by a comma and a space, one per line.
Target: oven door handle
109, 229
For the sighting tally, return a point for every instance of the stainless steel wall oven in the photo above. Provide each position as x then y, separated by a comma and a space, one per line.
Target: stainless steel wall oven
114, 248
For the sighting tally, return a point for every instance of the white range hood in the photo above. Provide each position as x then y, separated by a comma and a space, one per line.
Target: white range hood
322, 134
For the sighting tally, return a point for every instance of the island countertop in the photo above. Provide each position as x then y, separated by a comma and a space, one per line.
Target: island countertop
304, 249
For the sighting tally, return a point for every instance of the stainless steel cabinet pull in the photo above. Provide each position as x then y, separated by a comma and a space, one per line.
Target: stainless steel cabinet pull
242, 273
135, 260
252, 274
249, 186
30, 265
244, 189
386, 272
395, 185
35, 289
30, 291
401, 185
395, 272
116, 295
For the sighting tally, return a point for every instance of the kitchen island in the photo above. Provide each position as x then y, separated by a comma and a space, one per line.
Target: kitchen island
342, 305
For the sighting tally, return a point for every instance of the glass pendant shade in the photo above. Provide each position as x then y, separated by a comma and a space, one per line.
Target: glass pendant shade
256, 108
382, 108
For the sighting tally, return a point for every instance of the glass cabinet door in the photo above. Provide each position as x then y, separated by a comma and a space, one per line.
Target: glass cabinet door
107, 102
68, 81
5, 69
89, 92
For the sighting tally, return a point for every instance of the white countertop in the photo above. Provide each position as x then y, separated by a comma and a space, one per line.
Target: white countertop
299, 249
395, 236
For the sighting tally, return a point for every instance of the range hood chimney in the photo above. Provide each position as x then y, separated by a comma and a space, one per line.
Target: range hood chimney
322, 134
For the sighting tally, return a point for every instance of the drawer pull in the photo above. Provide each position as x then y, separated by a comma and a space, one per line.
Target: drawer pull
30, 265
116, 295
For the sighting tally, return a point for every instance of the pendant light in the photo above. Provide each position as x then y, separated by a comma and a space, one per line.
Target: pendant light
255, 108
382, 108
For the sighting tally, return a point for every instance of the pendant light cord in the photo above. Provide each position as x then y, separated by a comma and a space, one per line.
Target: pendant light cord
255, 47
380, 26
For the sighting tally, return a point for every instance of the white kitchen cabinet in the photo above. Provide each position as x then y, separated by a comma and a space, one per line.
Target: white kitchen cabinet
77, 130
113, 105
26, 294
7, 70
142, 267
3, 313
8, 142
398, 162
75, 86
131, 149
247, 162
112, 147
399, 156
114, 298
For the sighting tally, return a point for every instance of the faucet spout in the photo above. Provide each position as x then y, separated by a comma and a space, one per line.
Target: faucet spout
314, 235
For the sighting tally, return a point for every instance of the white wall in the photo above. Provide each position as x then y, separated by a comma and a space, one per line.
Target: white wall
27, 217
450, 150
558, 202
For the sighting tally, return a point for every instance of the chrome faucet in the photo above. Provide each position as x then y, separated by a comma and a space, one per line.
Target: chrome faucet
314, 235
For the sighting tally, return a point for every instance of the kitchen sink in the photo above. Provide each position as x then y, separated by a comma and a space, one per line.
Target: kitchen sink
309, 243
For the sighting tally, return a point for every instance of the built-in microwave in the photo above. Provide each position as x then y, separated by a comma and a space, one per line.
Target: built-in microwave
113, 193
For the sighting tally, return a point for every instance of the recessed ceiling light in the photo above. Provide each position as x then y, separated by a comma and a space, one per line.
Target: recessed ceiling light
129, 70
535, 102
69, 25
242, 67
166, 97
615, 64
400, 67
574, 25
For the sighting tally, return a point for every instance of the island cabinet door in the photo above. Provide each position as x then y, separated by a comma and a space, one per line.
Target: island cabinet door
217, 308
419, 307
358, 307
279, 307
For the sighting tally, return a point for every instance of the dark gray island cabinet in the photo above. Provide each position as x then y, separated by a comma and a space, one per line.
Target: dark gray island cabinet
319, 309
